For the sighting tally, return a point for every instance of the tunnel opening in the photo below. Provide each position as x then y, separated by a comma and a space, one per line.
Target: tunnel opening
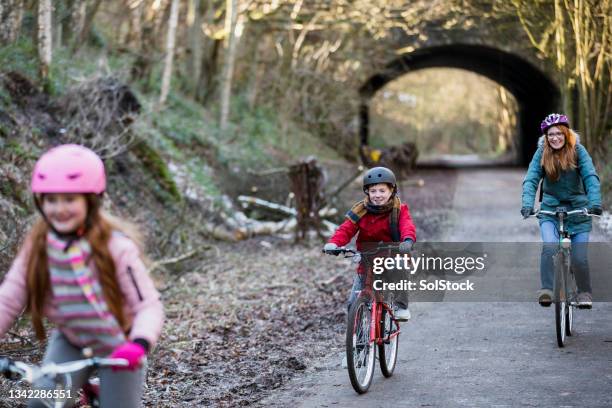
454, 117
535, 94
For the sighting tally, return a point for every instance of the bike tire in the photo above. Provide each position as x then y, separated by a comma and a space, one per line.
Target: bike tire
360, 351
560, 319
569, 319
387, 352
560, 298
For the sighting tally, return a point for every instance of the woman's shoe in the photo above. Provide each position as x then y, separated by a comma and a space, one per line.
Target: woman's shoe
545, 297
584, 300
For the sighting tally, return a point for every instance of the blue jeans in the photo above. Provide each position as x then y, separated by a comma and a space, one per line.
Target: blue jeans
580, 263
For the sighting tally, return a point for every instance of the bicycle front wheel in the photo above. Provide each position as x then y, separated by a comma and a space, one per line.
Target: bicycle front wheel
560, 298
571, 304
560, 320
359, 347
387, 350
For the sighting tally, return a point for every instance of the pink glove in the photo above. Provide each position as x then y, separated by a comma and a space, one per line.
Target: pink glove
132, 352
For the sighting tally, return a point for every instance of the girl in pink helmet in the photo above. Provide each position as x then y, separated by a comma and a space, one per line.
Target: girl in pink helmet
80, 271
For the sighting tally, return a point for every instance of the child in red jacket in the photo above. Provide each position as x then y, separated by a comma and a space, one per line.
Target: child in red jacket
381, 216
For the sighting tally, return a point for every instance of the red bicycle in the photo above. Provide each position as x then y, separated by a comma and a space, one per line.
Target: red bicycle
371, 325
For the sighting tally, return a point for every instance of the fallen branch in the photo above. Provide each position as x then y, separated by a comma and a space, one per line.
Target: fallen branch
221, 232
268, 172
248, 200
175, 260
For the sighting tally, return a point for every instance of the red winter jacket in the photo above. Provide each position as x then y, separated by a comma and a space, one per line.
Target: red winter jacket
374, 228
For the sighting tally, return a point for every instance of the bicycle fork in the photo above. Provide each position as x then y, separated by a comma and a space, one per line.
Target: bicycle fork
375, 318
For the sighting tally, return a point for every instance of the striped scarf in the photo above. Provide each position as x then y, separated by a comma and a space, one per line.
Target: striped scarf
82, 313
364, 206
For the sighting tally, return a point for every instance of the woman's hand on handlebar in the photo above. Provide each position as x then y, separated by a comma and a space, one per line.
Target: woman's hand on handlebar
595, 210
526, 212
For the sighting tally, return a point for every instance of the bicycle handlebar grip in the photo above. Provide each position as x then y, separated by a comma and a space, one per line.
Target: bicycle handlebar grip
334, 252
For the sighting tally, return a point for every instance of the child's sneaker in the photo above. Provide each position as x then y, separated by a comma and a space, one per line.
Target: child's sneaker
584, 300
545, 297
401, 315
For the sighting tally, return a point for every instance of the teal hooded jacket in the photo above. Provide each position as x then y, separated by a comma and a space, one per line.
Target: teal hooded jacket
576, 188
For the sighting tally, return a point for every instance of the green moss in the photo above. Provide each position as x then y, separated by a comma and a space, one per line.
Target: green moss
14, 192
20, 151
158, 170
20, 56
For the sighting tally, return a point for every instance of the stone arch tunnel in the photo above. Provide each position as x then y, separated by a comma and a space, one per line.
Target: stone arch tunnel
536, 94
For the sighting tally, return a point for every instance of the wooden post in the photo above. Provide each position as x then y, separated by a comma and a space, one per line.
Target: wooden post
307, 180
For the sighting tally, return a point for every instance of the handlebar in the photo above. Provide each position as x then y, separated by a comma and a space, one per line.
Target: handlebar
341, 251
354, 252
561, 210
31, 373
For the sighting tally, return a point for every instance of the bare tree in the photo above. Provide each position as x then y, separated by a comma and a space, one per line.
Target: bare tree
45, 9
88, 18
194, 22
234, 24
581, 32
11, 13
171, 39
135, 34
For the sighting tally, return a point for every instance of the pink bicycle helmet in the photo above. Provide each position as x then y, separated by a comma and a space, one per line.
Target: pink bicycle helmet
69, 168
553, 119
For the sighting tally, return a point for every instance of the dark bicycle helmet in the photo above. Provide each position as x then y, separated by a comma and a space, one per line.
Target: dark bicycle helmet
378, 175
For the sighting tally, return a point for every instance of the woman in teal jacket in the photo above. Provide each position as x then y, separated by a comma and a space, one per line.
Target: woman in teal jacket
571, 181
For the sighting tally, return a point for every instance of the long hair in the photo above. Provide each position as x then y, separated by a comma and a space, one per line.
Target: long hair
554, 161
98, 234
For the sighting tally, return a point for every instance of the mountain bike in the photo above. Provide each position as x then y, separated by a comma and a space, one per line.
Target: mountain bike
371, 325
60, 374
565, 291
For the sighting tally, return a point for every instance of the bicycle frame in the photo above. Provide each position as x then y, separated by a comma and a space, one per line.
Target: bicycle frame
382, 329
377, 307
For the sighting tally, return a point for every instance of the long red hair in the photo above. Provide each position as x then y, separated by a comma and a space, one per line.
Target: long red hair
555, 161
98, 235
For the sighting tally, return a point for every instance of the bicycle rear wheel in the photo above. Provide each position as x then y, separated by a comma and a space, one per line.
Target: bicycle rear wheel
387, 350
360, 351
560, 298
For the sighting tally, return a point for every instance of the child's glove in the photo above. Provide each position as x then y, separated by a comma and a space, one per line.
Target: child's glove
330, 246
132, 352
406, 246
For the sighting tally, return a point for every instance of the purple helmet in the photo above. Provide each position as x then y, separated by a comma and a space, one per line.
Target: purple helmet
554, 119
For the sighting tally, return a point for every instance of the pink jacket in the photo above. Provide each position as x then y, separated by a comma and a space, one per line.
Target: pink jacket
142, 305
